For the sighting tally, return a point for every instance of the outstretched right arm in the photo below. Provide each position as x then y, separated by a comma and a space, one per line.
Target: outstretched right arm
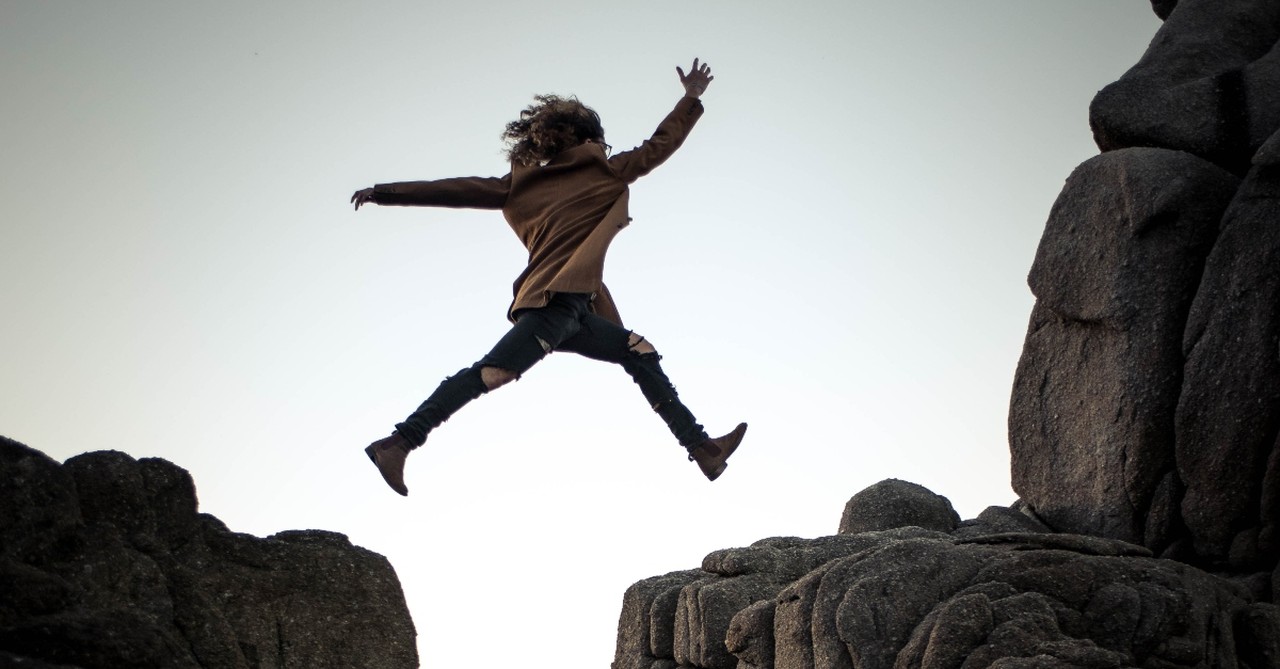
468, 192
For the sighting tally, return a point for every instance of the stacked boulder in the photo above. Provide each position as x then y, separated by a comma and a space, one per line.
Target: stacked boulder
905, 585
106, 563
1146, 405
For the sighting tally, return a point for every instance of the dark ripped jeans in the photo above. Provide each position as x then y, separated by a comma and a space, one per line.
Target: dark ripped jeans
565, 324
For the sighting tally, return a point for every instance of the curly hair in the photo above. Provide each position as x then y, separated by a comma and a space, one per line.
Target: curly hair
549, 126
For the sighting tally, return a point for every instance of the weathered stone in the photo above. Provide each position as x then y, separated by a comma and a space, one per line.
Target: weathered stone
29, 591
114, 567
998, 520
893, 503
112, 491
792, 632
890, 592
745, 639
306, 591
947, 636
758, 558
708, 608
172, 495
1258, 635
40, 512
636, 649
1229, 409
1032, 599
789, 559
1078, 543
705, 610
1091, 417
1208, 84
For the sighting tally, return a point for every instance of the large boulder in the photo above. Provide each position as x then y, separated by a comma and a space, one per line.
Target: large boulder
105, 562
894, 503
1094, 395
1208, 84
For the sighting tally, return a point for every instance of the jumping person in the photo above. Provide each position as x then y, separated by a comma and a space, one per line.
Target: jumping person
566, 199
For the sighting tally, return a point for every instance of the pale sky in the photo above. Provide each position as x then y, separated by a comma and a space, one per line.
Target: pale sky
838, 255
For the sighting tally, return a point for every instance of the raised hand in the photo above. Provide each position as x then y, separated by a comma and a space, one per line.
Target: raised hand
697, 80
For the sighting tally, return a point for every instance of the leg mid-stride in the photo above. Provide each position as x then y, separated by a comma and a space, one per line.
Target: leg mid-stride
566, 324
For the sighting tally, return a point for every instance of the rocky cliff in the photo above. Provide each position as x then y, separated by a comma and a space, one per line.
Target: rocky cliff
1143, 427
105, 562
906, 585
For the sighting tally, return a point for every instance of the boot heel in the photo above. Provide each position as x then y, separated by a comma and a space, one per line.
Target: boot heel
712, 453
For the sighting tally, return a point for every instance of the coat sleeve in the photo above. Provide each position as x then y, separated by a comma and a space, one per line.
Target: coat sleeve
633, 164
458, 192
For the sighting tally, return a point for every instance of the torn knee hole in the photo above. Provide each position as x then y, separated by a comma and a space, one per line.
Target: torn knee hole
546, 348
494, 377
639, 345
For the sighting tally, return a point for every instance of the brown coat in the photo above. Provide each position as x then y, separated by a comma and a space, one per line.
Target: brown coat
566, 212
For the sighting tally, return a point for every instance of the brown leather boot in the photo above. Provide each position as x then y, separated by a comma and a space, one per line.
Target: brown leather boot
388, 456
712, 453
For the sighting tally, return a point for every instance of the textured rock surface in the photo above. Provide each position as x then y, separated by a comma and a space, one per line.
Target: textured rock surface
1147, 402
1091, 416
911, 598
1229, 410
1208, 84
105, 562
895, 503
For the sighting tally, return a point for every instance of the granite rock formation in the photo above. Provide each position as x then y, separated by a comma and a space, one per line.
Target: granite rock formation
106, 563
1001, 590
1144, 427
1146, 406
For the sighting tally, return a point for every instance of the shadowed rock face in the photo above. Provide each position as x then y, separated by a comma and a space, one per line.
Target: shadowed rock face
1000, 590
105, 562
1229, 410
1091, 419
1209, 84
1147, 401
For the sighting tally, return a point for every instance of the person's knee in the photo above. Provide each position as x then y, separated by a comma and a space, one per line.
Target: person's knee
496, 377
639, 345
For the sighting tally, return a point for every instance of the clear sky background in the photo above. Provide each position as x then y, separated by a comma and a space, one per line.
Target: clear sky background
838, 256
